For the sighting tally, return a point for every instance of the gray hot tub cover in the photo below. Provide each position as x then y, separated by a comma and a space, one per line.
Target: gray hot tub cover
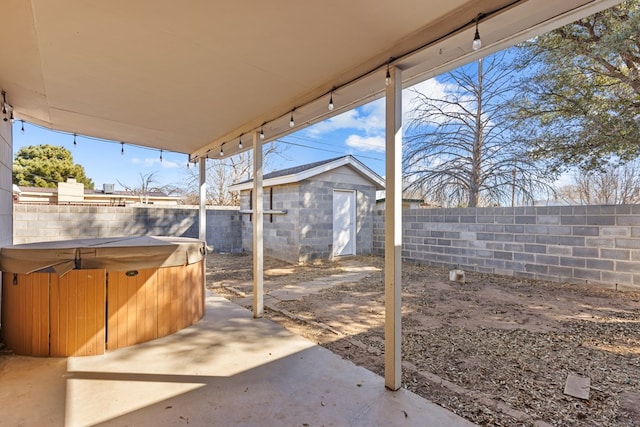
111, 254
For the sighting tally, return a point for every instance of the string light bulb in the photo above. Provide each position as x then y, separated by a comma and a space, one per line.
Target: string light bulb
387, 79
262, 131
74, 140
4, 105
122, 148
222, 150
331, 106
291, 122
477, 42
11, 118
22, 128
160, 156
240, 142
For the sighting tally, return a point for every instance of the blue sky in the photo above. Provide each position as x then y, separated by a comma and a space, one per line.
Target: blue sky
359, 132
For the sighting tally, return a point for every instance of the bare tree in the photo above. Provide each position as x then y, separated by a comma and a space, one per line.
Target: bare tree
144, 187
614, 185
221, 173
460, 150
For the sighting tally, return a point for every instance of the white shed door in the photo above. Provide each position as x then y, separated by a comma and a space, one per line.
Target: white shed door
344, 222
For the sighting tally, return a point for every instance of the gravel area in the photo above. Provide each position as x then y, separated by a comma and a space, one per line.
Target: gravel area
495, 350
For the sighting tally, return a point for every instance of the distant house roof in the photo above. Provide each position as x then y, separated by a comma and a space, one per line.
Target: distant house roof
302, 172
152, 193
25, 189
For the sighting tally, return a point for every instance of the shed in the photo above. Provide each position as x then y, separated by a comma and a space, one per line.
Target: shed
319, 210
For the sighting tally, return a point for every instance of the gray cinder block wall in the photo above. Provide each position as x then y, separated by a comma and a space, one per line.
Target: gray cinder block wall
35, 223
576, 244
305, 232
316, 218
224, 230
281, 237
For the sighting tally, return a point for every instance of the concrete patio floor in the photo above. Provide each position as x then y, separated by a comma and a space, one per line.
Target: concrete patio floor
227, 370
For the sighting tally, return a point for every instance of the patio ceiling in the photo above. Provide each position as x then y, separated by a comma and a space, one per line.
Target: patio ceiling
190, 76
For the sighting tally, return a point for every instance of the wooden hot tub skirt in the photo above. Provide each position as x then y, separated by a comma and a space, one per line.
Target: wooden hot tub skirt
85, 312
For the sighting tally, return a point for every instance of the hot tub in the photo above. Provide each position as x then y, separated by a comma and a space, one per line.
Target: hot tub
81, 297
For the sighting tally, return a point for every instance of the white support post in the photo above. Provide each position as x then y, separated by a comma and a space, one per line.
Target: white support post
393, 233
258, 208
202, 214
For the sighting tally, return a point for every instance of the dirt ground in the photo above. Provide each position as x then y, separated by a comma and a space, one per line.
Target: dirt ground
495, 350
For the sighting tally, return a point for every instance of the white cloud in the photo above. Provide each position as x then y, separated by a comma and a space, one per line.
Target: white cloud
366, 143
168, 164
150, 162
366, 124
370, 118
565, 178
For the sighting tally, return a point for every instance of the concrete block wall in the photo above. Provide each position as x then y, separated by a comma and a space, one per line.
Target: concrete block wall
366, 200
35, 223
281, 236
316, 218
576, 244
224, 229
305, 233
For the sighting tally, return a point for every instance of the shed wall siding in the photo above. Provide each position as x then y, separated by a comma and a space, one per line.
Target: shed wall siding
343, 175
316, 218
281, 236
305, 233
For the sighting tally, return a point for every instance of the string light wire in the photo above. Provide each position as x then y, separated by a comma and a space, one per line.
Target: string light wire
391, 61
387, 64
91, 138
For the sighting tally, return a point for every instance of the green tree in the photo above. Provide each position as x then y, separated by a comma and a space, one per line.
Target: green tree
460, 151
45, 166
581, 104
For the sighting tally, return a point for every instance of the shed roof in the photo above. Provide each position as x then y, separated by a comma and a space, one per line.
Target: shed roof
309, 170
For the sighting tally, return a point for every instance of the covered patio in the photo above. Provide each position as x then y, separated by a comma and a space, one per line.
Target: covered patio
216, 78
226, 370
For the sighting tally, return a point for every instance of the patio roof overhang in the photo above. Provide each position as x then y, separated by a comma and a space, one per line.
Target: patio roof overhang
191, 77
